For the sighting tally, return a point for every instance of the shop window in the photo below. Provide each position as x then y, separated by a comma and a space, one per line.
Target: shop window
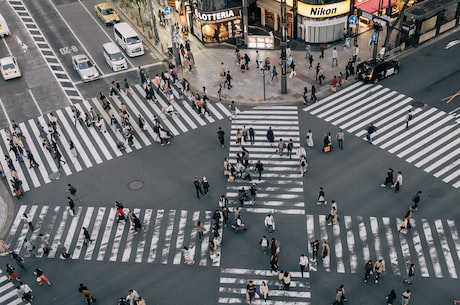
449, 13
428, 25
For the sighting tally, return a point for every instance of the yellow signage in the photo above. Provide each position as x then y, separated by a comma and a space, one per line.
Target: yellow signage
323, 11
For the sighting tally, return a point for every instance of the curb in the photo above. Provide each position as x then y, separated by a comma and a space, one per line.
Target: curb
6, 210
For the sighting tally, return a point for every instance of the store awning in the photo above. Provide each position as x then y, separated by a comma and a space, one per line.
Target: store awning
272, 6
372, 6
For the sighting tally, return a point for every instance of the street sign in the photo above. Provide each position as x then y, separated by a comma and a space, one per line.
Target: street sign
383, 18
367, 15
168, 10
353, 20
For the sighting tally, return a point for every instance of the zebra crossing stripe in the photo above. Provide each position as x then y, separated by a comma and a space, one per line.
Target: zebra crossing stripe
432, 249
8, 291
106, 235
64, 216
204, 244
324, 236
391, 248
132, 108
447, 157
45, 152
193, 113
377, 244
338, 250
180, 237
351, 244
155, 236
95, 233
168, 236
445, 248
72, 229
452, 176
224, 110
440, 151
214, 111
128, 246
145, 226
79, 246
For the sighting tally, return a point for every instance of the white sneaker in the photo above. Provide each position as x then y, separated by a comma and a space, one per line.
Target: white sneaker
383, 185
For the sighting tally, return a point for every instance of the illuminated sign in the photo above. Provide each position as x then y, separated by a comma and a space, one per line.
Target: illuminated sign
215, 16
321, 11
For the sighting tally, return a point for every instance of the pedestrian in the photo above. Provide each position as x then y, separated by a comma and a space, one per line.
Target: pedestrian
264, 290
200, 229
371, 129
11, 272
250, 292
274, 263
340, 137
327, 144
225, 215
221, 137
86, 236
410, 274
301, 152
307, 51
405, 297
313, 94
63, 251
274, 247
416, 201
72, 211
340, 80
41, 277
133, 297
286, 280
322, 47
391, 297
198, 188
309, 138
140, 122
127, 88
333, 217
253, 193
19, 259
72, 190
275, 75
388, 179
270, 223
58, 157
45, 244
334, 56
314, 248
252, 135
264, 244
303, 263
238, 137
223, 201
232, 106
73, 150
292, 66
259, 168
367, 270
321, 196
379, 268
325, 250
340, 295
303, 166
4, 248
28, 221
26, 292
205, 184
32, 162
281, 146
270, 135
290, 146
408, 118
305, 96
242, 196
86, 293
399, 181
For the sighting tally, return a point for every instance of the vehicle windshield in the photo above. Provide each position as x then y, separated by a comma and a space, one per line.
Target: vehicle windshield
116, 56
85, 65
108, 11
8, 66
367, 68
133, 39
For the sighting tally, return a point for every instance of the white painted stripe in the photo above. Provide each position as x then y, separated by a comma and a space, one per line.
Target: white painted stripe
451, 166
374, 224
265, 117
224, 109
39, 224
310, 234
324, 236
106, 236
236, 186
445, 249
131, 108
456, 184
439, 151
204, 243
50, 223
86, 222
214, 111
142, 242
17, 166
59, 233
273, 292
119, 232
269, 280
155, 237
190, 111
452, 176
34, 151
80, 130
7, 173
180, 237
65, 141
168, 236
258, 301
333, 96
275, 211
274, 196
73, 227
454, 234
441, 161
351, 244
176, 118
17, 222
391, 246
432, 249
268, 113
118, 134
405, 247
435, 145
276, 107
94, 133
96, 229
363, 237
25, 228
338, 249
128, 244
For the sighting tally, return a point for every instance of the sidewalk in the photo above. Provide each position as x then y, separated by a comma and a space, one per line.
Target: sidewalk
248, 87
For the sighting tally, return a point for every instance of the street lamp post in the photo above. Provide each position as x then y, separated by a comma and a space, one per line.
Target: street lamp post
263, 80
153, 21
283, 47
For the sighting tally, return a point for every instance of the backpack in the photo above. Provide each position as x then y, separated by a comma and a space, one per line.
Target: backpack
410, 116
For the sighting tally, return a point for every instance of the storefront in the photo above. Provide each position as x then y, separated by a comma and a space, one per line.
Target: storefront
270, 12
322, 23
429, 19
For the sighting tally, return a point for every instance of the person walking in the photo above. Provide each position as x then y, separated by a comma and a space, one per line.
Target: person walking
340, 137
127, 87
232, 105
205, 184
367, 270
19, 259
45, 243
322, 47
405, 297
200, 229
371, 130
41, 277
410, 274
133, 297
340, 295
221, 136
321, 196
252, 135
290, 147
28, 220
399, 181
379, 268
270, 135
313, 94
391, 297
416, 201
264, 244
264, 290
269, 223
408, 118
250, 292
225, 215
309, 138
72, 211
63, 251
314, 249
259, 168
32, 162
242, 196
86, 236
86, 293
325, 250
29, 246
286, 280
388, 179
303, 264
253, 193
274, 247
198, 188
274, 263
72, 190
334, 57
11, 272
25, 292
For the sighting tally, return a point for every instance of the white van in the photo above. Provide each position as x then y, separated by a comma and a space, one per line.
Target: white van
114, 57
4, 30
128, 39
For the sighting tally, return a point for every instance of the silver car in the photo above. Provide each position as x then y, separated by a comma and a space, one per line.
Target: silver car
85, 68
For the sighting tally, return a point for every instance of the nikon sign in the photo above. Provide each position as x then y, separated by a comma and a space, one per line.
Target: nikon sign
323, 11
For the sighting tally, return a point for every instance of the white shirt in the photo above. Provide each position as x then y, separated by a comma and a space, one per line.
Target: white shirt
301, 152
334, 53
269, 220
303, 261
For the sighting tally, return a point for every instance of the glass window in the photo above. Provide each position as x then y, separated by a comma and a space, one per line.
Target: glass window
449, 13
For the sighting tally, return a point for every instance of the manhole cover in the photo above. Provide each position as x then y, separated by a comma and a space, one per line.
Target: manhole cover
418, 104
435, 192
55, 176
135, 185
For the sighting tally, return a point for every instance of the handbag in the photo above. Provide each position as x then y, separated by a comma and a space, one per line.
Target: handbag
327, 149
334, 89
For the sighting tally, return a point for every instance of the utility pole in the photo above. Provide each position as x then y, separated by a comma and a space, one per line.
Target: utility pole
283, 47
245, 22
153, 21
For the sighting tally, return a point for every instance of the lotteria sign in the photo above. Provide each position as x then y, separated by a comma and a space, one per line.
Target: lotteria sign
321, 11
218, 15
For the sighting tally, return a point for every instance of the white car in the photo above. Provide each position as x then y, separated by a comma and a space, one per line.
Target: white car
85, 68
4, 30
10, 68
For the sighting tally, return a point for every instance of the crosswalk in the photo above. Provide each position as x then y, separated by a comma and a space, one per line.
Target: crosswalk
431, 143
165, 233
93, 146
281, 188
8, 294
433, 245
233, 282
